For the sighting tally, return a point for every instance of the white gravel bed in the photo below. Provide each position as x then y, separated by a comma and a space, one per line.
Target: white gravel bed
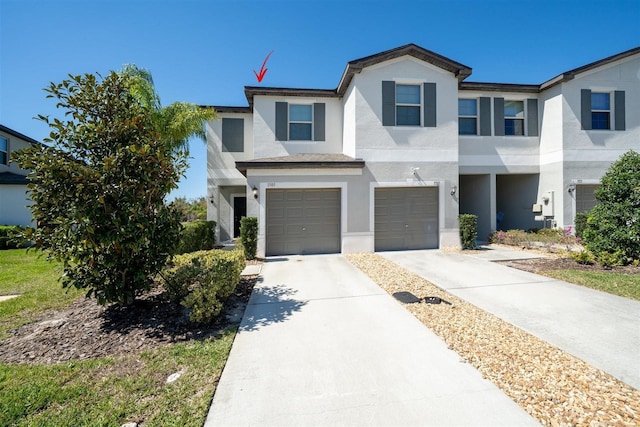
553, 386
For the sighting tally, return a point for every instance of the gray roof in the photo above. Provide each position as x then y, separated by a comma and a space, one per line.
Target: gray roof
354, 67
13, 178
302, 161
459, 70
18, 134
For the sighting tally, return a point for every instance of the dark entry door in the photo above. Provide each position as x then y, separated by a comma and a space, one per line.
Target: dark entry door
239, 211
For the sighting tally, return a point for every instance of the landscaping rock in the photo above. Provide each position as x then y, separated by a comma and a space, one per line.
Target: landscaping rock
550, 384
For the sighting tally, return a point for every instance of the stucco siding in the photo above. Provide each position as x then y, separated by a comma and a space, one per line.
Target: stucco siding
14, 205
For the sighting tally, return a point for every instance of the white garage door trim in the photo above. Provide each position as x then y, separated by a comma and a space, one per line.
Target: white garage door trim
303, 221
262, 192
410, 184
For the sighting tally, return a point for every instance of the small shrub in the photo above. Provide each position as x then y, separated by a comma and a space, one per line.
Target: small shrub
249, 236
468, 230
197, 236
580, 223
583, 257
608, 259
201, 281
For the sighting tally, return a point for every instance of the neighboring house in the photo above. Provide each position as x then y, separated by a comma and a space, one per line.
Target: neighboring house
388, 159
13, 180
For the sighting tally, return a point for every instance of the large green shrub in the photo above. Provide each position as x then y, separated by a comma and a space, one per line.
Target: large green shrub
468, 230
197, 236
203, 280
99, 186
613, 225
249, 236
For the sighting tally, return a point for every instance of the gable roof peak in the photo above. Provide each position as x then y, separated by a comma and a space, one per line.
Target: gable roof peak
461, 71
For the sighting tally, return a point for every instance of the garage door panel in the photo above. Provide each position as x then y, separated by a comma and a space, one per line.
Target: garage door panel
311, 221
406, 218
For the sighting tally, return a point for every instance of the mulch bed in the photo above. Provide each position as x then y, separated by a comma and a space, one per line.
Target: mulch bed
537, 265
86, 330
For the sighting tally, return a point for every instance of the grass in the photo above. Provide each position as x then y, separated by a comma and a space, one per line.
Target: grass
113, 391
624, 285
99, 392
36, 281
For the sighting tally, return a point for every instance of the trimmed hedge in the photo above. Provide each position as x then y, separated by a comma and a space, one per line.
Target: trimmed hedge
201, 281
10, 237
249, 236
468, 230
197, 236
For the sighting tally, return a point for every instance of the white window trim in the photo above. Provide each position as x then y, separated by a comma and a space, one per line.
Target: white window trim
462, 116
419, 105
525, 129
610, 110
289, 122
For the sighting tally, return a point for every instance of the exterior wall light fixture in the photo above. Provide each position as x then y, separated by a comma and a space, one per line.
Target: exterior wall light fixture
454, 189
255, 192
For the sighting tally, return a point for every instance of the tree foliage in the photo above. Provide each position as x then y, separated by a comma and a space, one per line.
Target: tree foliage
98, 187
191, 210
613, 225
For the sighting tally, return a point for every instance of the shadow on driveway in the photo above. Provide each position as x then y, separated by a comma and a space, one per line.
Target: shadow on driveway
268, 305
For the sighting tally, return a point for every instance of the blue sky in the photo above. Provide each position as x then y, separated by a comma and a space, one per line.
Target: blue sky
205, 51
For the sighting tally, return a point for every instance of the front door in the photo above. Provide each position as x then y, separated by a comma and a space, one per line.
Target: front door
239, 212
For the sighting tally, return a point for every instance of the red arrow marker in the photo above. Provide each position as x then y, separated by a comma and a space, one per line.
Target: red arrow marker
263, 70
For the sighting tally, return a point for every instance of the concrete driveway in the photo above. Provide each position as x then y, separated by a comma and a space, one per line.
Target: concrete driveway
599, 328
320, 344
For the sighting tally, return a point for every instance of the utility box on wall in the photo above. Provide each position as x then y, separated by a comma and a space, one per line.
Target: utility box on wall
547, 204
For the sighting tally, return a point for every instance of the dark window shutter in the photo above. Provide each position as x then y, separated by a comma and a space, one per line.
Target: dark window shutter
430, 105
619, 112
485, 116
585, 109
498, 112
532, 117
388, 103
318, 121
232, 135
282, 121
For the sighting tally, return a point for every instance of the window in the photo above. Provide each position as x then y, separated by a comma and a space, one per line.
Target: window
600, 110
300, 122
4, 151
232, 135
514, 118
468, 116
408, 105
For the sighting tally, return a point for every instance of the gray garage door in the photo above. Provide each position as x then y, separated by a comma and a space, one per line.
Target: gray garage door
585, 197
303, 221
406, 218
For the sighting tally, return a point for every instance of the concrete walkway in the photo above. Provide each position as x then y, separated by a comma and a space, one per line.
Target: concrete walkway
320, 344
599, 328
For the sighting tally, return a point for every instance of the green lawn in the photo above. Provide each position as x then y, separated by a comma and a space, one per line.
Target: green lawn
36, 280
101, 392
624, 285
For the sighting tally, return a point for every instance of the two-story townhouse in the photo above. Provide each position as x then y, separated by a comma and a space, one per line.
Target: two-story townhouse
14, 200
388, 159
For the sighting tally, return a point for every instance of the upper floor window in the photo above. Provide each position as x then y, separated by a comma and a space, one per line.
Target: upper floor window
4, 151
300, 122
514, 118
468, 116
407, 105
600, 110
